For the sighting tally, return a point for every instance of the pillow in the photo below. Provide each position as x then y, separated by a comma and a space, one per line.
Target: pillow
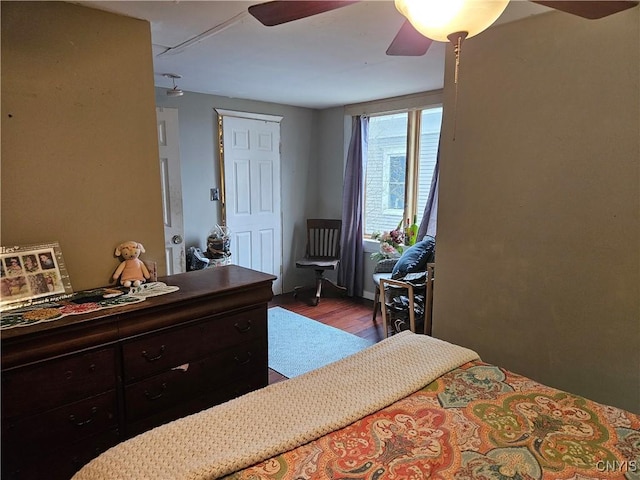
415, 258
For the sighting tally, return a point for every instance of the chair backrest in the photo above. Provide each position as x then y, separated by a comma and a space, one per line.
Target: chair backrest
323, 238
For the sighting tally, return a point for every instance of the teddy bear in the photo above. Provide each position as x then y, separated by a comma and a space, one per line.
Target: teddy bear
132, 271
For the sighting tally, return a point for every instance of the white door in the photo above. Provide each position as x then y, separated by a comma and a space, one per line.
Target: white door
171, 184
251, 162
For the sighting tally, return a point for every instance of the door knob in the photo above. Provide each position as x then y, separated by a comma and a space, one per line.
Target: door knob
176, 239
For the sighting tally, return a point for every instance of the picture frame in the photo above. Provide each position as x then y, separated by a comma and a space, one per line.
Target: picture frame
32, 274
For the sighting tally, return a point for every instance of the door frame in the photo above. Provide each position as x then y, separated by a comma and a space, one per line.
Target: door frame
221, 113
167, 123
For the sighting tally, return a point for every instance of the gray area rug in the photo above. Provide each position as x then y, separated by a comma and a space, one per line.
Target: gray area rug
298, 344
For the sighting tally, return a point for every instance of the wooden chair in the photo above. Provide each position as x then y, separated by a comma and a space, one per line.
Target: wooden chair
382, 270
322, 252
410, 288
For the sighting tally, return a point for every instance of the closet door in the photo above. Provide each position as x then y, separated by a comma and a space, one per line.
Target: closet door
251, 202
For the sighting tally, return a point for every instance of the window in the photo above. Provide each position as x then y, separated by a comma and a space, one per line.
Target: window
400, 163
396, 170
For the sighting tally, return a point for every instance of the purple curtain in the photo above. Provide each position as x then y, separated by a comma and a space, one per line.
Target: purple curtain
430, 215
351, 270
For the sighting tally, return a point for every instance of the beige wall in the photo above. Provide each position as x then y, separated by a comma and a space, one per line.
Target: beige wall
79, 152
539, 228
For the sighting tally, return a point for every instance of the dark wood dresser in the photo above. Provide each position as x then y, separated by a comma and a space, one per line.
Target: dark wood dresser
73, 387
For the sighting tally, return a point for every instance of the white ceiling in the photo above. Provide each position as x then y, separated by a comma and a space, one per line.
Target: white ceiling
335, 58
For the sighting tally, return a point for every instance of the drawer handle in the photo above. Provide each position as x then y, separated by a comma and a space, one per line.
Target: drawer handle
243, 362
82, 423
243, 329
155, 397
68, 375
153, 359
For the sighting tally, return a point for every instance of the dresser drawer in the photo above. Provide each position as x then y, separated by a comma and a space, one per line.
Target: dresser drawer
235, 363
153, 354
60, 426
240, 386
179, 410
55, 382
160, 392
56, 463
222, 394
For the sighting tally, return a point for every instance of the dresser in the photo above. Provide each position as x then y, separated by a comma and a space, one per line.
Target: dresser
73, 387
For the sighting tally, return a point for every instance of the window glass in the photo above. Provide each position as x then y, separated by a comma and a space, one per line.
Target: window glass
385, 172
429, 137
386, 169
397, 168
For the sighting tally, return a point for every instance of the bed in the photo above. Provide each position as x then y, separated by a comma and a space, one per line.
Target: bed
408, 407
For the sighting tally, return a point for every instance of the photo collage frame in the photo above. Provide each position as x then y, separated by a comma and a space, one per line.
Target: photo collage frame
31, 274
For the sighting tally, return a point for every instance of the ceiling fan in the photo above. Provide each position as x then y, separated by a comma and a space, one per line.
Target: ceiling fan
409, 41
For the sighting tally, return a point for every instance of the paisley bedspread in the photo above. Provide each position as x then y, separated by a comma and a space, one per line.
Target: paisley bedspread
476, 422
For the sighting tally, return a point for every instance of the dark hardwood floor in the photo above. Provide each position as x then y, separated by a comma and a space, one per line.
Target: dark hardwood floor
353, 315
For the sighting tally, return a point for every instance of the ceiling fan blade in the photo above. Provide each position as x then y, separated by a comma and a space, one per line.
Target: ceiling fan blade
283, 11
409, 42
592, 9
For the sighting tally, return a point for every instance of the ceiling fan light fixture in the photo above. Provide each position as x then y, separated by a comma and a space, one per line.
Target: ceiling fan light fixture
175, 91
438, 19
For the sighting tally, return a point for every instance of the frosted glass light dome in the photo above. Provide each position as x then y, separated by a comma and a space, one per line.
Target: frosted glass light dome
437, 19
